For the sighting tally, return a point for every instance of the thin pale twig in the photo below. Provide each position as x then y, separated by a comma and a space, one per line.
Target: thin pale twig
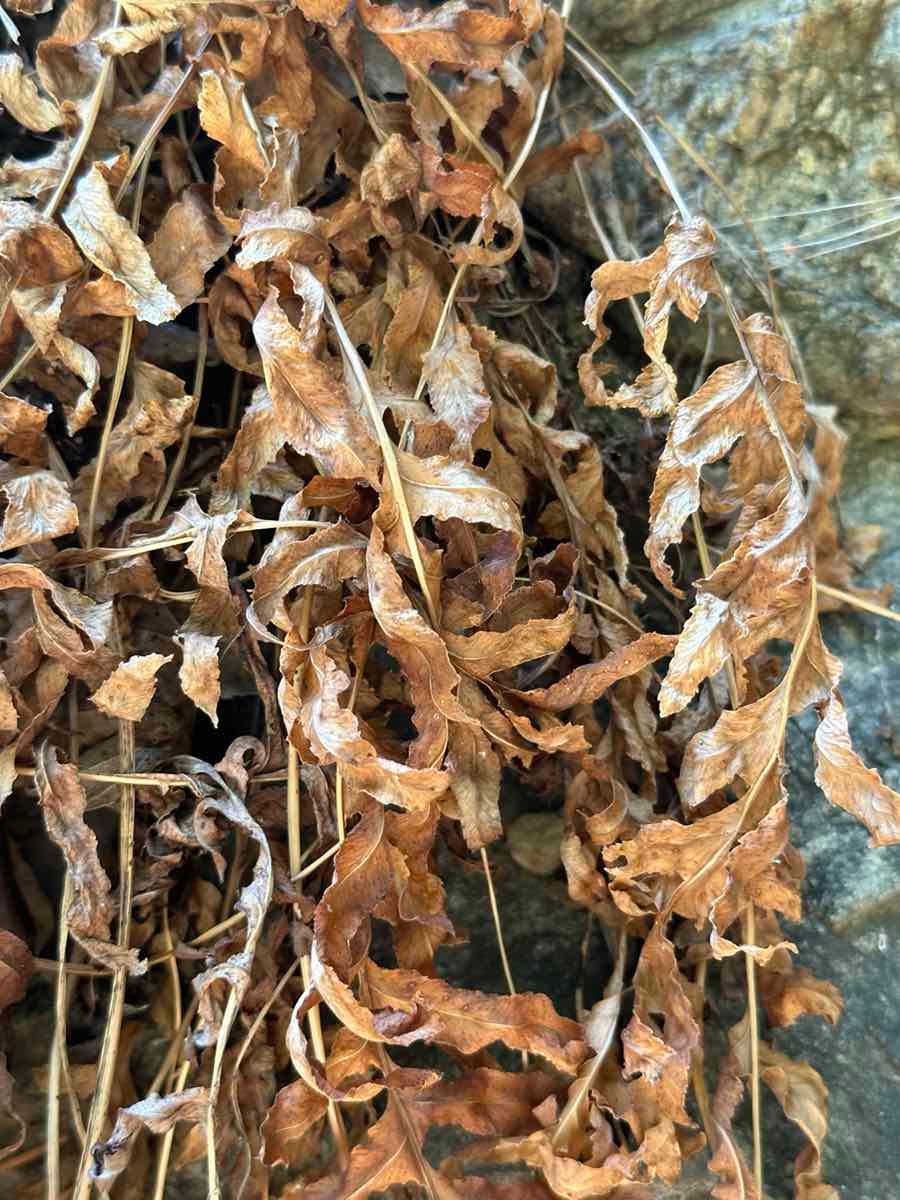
88, 121
118, 382
181, 455
749, 931
858, 602
109, 1047
509, 179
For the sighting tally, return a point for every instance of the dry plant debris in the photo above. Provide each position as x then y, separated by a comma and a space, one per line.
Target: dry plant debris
284, 488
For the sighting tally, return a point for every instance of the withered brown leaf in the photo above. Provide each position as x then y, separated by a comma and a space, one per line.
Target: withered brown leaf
127, 693
109, 242
309, 402
91, 910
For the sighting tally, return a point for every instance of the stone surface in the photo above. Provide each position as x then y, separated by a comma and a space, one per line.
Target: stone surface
793, 103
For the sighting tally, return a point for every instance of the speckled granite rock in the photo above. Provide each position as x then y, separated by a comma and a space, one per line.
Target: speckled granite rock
792, 101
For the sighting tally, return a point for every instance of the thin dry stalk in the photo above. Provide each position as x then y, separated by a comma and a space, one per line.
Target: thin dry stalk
145, 148
59, 1053
498, 928
214, 1190
109, 1048
855, 601
164, 1152
749, 931
254, 1029
58, 1048
388, 450
570, 1117
312, 867
335, 1120
509, 179
698, 1079
118, 380
88, 121
181, 456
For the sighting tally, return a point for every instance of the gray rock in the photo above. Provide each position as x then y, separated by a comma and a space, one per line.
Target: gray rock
792, 102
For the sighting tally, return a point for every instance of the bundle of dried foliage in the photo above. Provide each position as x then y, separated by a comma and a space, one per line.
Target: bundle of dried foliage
280, 491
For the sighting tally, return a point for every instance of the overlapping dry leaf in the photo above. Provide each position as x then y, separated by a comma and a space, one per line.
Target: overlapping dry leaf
245, 429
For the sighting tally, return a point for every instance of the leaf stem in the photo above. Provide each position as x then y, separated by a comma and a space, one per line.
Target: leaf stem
181, 456
749, 931
89, 120
118, 380
508, 180
295, 860
214, 1190
106, 1065
165, 1146
858, 602
389, 453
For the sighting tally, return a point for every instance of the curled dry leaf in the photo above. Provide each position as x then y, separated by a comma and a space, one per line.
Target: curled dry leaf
109, 242
156, 1114
38, 507
847, 782
455, 381
468, 1020
586, 683
199, 671
187, 244
309, 403
295, 1110
21, 427
398, 574
34, 250
127, 693
452, 34
678, 273
155, 417
475, 785
90, 912
21, 97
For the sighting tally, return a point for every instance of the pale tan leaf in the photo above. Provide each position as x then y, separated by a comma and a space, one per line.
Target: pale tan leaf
452, 34
452, 370
444, 488
294, 1111
484, 653
187, 244
156, 1114
38, 507
678, 273
159, 408
107, 239
274, 232
326, 558
227, 117
199, 671
91, 910
127, 693
309, 402
587, 683
848, 783
33, 249
475, 785
20, 96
